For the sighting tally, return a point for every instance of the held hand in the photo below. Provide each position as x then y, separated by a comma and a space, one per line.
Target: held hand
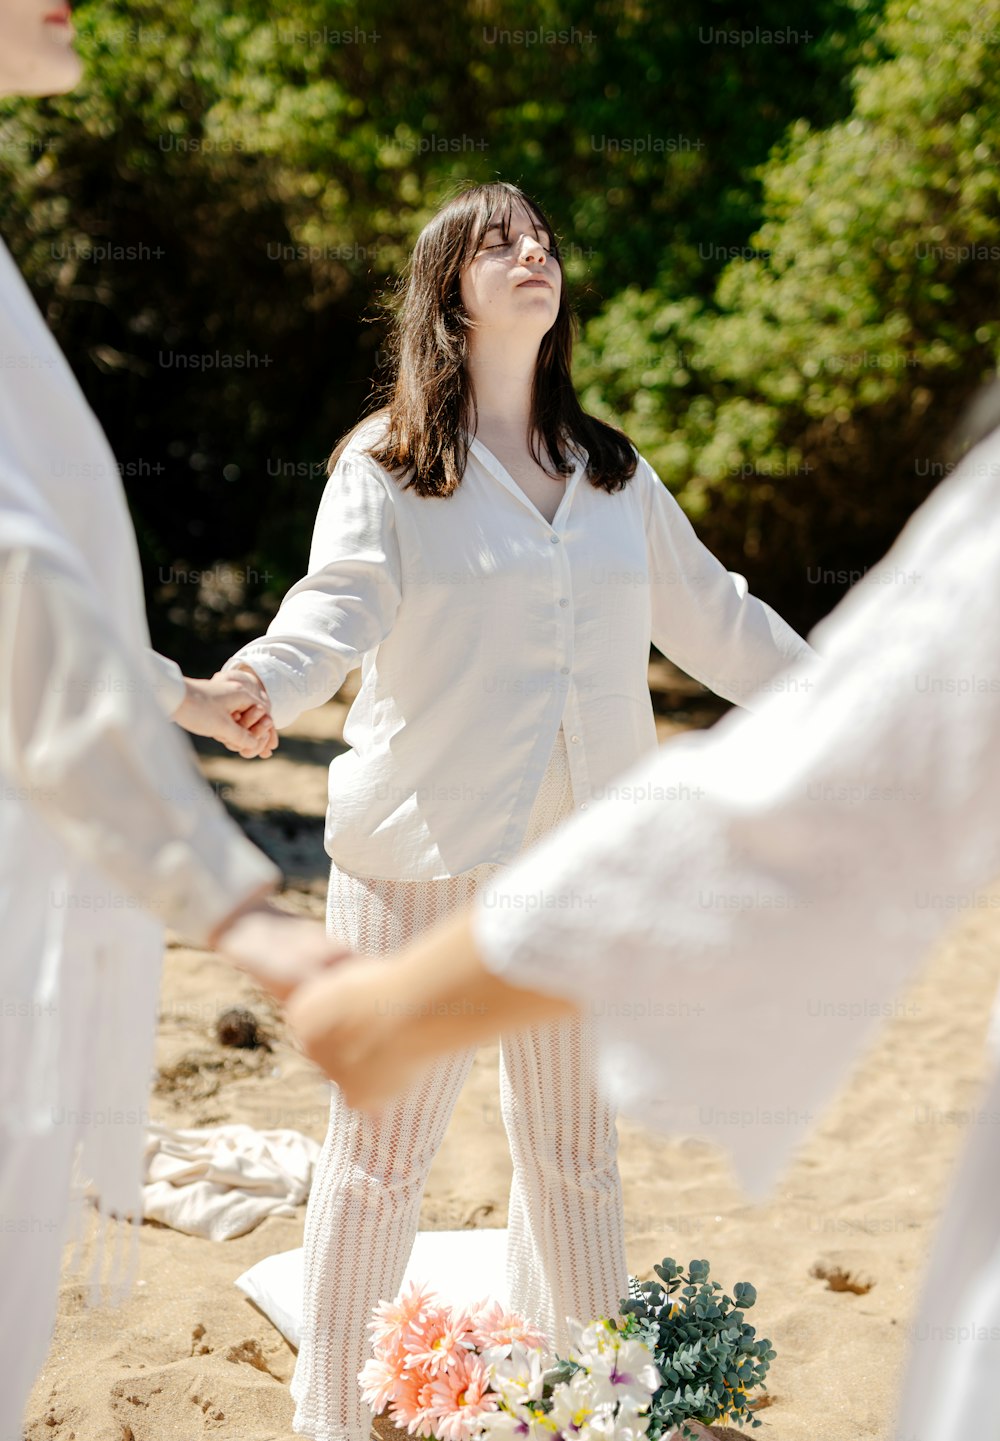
374, 1025
230, 709
278, 951
256, 720
346, 1023
260, 731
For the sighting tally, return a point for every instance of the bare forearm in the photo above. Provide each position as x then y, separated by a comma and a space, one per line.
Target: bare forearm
370, 1024
442, 977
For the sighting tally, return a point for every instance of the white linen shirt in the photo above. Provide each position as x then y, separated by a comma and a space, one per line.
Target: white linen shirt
479, 627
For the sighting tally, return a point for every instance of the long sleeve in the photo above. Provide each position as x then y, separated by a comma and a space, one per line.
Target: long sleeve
703, 616
745, 909
83, 738
167, 680
344, 607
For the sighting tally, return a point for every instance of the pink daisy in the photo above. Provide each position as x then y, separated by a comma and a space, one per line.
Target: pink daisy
493, 1326
380, 1378
413, 1406
461, 1397
415, 1305
439, 1341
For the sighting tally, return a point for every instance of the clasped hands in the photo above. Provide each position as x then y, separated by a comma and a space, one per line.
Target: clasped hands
232, 707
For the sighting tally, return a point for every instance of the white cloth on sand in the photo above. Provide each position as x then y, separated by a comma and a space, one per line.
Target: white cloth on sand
461, 1266
222, 1181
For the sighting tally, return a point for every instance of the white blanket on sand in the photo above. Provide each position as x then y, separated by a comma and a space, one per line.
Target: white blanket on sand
223, 1180
462, 1267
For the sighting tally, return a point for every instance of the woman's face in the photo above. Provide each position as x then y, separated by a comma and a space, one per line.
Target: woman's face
36, 48
514, 283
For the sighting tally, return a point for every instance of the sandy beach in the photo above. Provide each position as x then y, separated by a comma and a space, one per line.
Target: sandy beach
189, 1357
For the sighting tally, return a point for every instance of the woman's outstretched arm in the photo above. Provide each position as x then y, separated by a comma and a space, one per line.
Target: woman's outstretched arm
743, 910
343, 607
703, 616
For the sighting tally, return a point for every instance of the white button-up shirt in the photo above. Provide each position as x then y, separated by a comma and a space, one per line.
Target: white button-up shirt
480, 627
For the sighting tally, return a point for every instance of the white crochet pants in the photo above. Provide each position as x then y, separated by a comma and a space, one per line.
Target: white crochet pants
566, 1243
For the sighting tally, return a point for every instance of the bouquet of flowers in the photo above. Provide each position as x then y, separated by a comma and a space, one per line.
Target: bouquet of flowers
480, 1373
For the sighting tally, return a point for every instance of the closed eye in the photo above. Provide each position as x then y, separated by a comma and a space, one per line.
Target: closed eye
506, 244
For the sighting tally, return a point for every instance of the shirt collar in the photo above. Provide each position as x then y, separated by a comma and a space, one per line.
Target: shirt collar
499, 472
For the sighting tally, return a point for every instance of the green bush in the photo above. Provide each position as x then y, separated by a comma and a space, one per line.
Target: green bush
800, 413
244, 185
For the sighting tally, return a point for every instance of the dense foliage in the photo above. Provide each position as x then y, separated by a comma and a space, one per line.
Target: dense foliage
781, 226
803, 410
709, 1357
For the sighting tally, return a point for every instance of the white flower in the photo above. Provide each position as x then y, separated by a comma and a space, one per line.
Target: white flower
588, 1341
518, 1377
625, 1372
523, 1423
503, 1426
608, 1425
573, 1403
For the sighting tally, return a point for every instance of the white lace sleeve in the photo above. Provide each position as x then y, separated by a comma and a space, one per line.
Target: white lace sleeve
744, 906
84, 739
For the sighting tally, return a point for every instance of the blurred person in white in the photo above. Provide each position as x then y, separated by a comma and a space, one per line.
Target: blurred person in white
106, 828
497, 562
756, 894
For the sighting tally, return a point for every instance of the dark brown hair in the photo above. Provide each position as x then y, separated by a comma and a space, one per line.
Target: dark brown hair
428, 398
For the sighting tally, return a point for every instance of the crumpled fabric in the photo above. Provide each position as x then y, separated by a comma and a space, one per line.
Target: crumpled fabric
222, 1181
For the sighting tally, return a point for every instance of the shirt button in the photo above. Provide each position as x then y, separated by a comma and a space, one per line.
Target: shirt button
574, 738
564, 670
554, 539
564, 602
583, 805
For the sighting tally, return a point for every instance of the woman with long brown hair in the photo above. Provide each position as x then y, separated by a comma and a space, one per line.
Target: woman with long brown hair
497, 562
